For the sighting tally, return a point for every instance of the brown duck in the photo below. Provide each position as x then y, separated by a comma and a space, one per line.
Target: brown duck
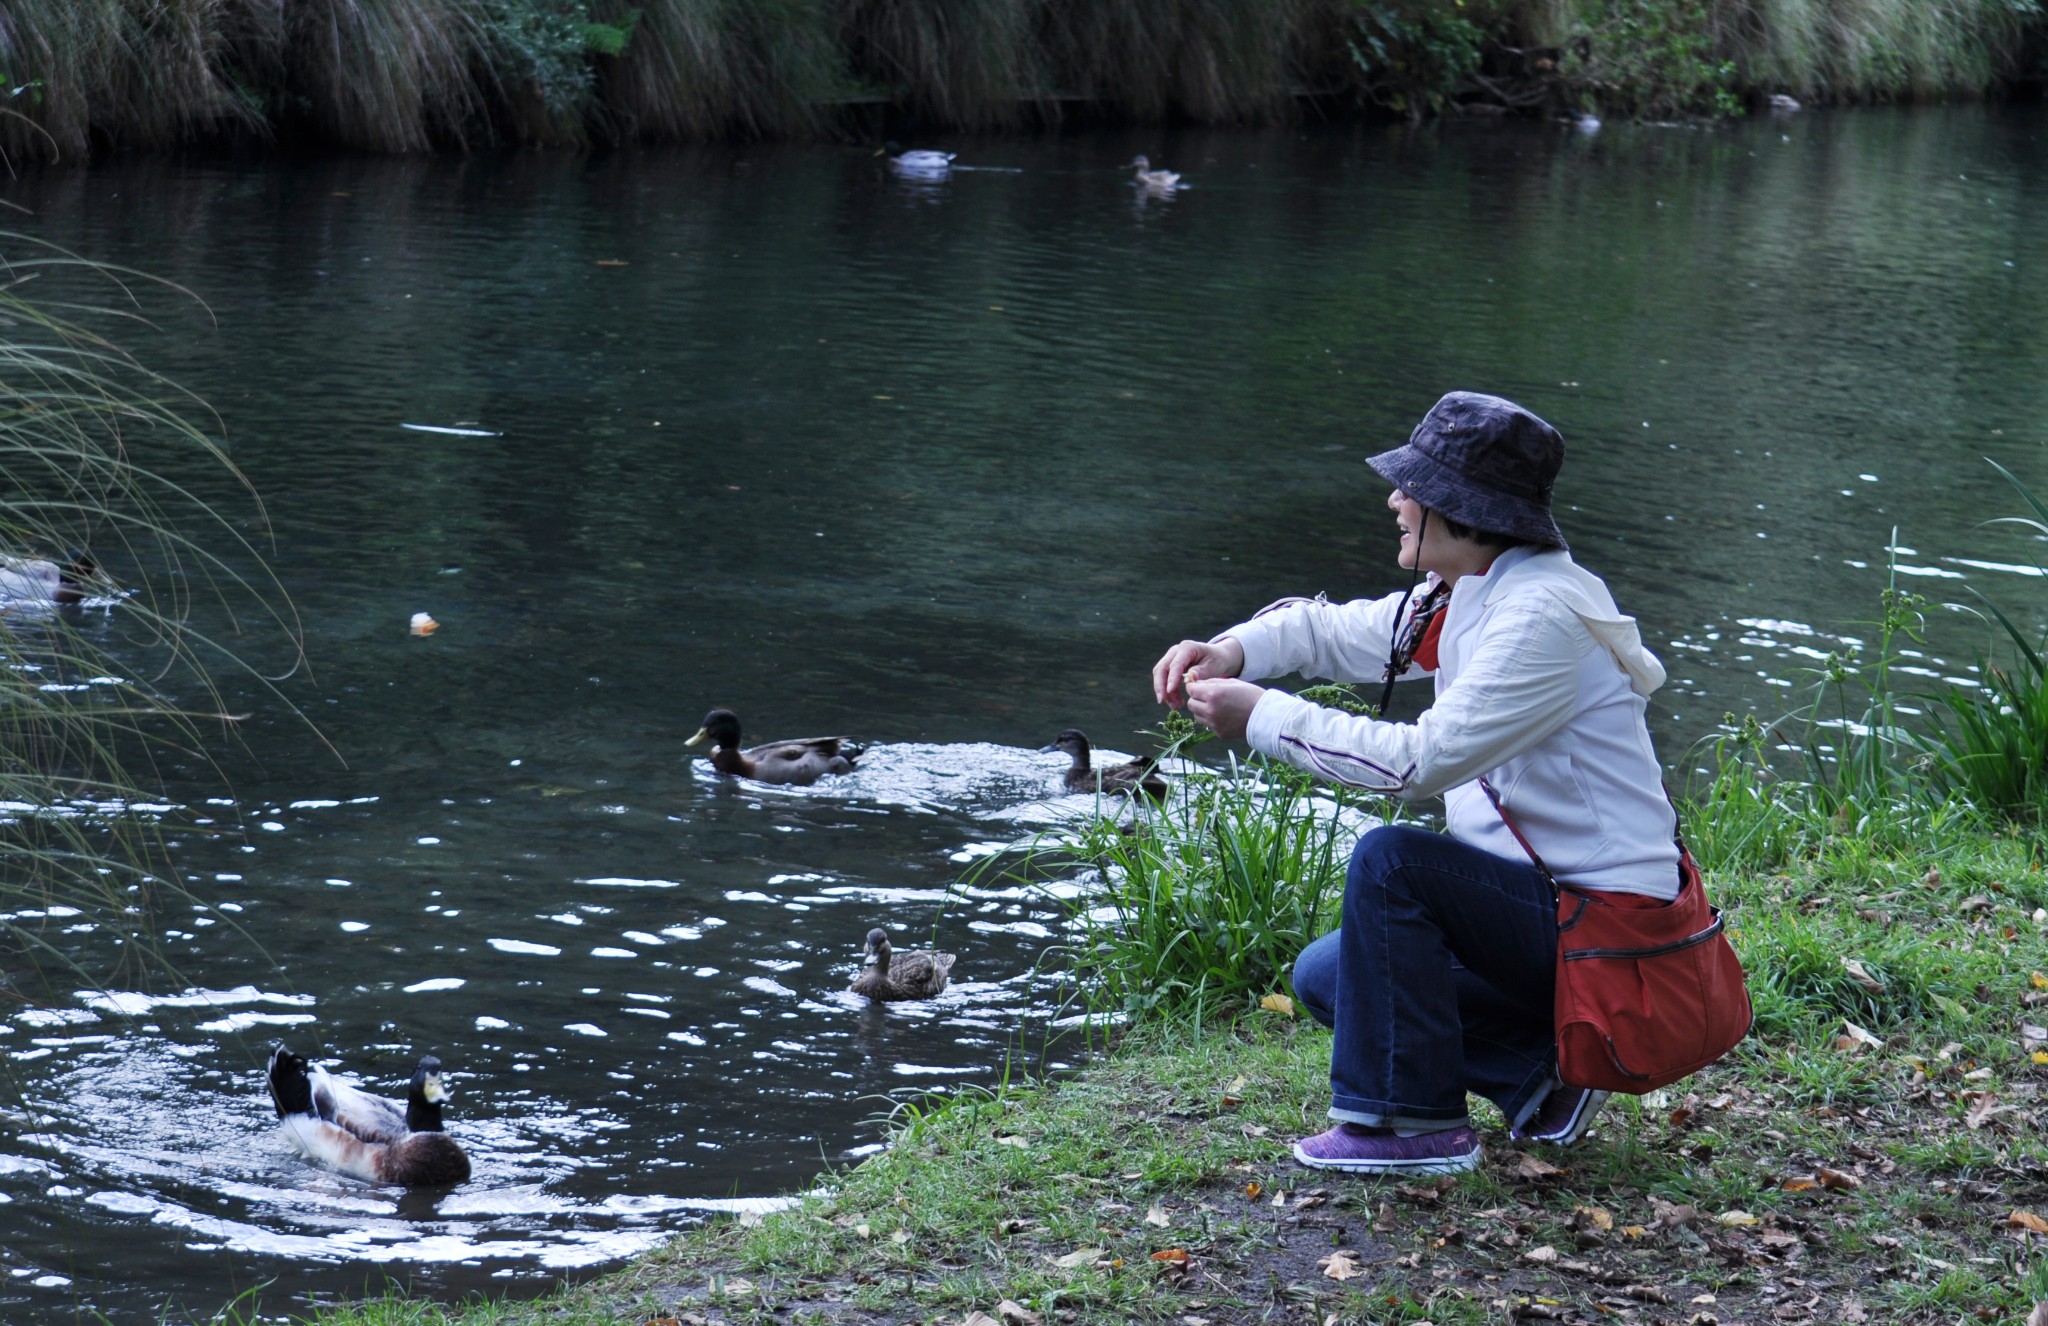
1126, 779
918, 974
799, 763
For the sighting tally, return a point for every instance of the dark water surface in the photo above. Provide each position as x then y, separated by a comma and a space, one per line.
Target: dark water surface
943, 466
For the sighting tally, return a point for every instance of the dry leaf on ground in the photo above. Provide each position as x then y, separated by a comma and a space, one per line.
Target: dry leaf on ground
1854, 1037
1343, 1264
1157, 1216
1800, 1183
1836, 1179
1016, 1314
1674, 1215
1278, 1003
1078, 1257
1593, 1217
1534, 1169
2027, 1220
1736, 1219
1861, 975
1542, 1256
978, 1318
1177, 1256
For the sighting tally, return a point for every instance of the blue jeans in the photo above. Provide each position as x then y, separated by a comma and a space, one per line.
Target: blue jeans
1438, 981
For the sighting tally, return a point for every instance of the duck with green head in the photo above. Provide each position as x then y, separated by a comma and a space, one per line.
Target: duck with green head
797, 763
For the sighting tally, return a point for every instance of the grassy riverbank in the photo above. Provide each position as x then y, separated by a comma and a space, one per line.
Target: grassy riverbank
78, 76
1861, 1158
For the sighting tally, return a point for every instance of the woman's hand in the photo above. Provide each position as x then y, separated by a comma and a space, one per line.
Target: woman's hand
1194, 660
1223, 705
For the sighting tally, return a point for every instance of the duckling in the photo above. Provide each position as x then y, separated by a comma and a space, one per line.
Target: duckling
363, 1135
38, 581
918, 974
800, 763
1139, 775
1154, 179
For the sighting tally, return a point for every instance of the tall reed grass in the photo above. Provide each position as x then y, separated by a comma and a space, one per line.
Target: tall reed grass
404, 75
88, 443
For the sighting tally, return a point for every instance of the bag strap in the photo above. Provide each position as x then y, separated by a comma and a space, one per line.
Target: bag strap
1501, 809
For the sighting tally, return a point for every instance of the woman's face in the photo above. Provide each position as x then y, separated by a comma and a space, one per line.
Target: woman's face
1438, 552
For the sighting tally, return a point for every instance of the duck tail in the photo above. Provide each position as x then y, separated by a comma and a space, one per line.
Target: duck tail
291, 1089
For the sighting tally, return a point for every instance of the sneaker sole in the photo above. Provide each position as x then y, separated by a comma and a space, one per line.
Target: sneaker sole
1590, 1105
1462, 1164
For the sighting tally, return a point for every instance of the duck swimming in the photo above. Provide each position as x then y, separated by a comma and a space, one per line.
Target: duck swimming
917, 974
1154, 179
366, 1136
1126, 779
39, 582
919, 161
797, 763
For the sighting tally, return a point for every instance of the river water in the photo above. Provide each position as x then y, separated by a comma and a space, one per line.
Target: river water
940, 465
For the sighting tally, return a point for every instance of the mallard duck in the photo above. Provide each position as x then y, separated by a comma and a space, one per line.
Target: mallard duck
918, 974
919, 161
1139, 775
40, 581
364, 1135
1154, 179
801, 762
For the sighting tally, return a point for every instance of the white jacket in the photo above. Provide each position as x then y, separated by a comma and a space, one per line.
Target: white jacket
1540, 686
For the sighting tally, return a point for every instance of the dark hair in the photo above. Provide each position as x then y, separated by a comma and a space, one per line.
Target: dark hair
1485, 538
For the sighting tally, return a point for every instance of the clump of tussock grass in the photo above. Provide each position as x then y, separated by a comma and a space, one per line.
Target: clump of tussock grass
87, 436
697, 69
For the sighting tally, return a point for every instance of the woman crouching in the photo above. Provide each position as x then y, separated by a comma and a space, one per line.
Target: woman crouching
1439, 980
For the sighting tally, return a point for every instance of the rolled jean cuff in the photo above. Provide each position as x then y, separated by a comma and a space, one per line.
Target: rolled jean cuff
1382, 1114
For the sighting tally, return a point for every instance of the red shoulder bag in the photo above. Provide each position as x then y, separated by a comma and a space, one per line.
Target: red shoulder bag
1645, 995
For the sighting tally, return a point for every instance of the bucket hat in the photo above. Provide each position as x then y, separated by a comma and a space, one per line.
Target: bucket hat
1483, 462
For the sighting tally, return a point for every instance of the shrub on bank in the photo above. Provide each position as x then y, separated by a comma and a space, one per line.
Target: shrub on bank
405, 75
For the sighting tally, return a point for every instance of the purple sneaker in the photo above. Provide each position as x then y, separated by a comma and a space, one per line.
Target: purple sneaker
1563, 1117
1362, 1150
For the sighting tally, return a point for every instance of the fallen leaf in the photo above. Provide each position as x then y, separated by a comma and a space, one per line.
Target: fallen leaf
1016, 1314
1342, 1264
1861, 975
1646, 1294
1534, 1169
979, 1318
1976, 902
1253, 1189
1542, 1256
865, 1231
1674, 1215
1593, 1218
2039, 1316
1704, 1300
1157, 1216
1800, 1184
2039, 1056
1633, 1231
1232, 1102
734, 1287
1837, 1180
1736, 1219
900, 1237
1278, 1003
1853, 1312
2038, 981
2033, 1036
750, 1219
2027, 1220
1078, 1257
1178, 1256
1010, 1139
1932, 879
1856, 1038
